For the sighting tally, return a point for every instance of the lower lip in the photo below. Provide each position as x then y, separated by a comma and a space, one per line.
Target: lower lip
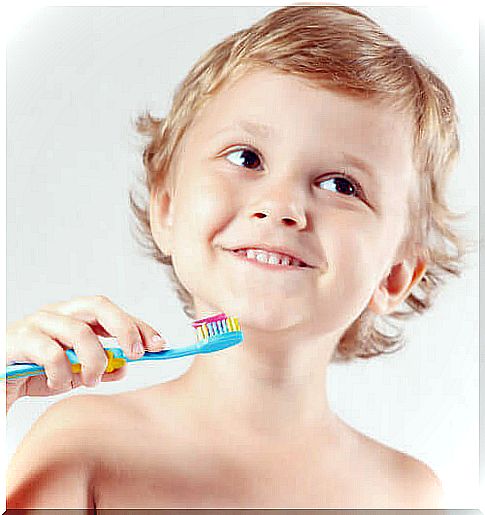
268, 266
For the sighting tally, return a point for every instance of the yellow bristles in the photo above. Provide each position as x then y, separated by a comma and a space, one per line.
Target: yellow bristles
233, 324
229, 324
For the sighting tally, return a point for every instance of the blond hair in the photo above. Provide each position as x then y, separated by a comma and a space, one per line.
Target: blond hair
341, 49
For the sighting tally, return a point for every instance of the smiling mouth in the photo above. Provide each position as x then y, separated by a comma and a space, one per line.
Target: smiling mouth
269, 261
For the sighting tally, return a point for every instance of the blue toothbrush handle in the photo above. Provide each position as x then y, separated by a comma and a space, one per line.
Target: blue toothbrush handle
116, 359
18, 370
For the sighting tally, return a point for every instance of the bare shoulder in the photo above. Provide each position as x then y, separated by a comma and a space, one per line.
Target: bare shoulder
414, 483
420, 486
52, 466
406, 482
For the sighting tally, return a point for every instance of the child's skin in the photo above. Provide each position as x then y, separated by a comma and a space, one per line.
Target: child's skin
251, 426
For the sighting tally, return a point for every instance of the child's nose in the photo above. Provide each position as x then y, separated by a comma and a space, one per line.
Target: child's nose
290, 220
277, 207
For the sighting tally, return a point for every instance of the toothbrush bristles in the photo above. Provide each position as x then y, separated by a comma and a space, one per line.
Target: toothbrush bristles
221, 324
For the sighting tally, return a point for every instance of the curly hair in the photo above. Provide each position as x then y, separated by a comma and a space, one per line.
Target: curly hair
341, 49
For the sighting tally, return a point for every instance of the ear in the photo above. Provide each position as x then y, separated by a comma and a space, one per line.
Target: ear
395, 287
161, 215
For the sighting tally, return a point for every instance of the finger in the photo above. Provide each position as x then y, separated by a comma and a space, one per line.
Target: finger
36, 387
99, 309
44, 351
79, 307
76, 335
152, 340
116, 375
97, 329
71, 308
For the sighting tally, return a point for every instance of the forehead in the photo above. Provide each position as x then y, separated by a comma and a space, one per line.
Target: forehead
281, 107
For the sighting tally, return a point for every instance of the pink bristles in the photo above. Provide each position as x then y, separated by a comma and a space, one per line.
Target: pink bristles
204, 321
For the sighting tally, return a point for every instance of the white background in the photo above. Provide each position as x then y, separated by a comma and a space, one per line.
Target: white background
77, 79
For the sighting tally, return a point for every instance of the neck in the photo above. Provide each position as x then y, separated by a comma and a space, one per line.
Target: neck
270, 386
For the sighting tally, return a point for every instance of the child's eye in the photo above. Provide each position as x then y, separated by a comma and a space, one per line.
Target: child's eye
343, 185
245, 157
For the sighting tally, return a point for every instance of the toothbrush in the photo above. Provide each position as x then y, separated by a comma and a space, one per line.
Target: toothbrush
214, 333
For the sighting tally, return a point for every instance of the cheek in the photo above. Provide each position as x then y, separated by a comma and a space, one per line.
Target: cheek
216, 207
201, 212
205, 199
357, 253
355, 261
352, 278
215, 199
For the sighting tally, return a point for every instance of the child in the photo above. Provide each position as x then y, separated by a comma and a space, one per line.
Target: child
311, 134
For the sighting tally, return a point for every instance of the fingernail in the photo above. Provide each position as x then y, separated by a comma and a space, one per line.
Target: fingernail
157, 339
138, 348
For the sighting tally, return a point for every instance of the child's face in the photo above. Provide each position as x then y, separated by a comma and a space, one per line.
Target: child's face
242, 185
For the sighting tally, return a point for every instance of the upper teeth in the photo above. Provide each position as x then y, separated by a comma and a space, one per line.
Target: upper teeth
272, 258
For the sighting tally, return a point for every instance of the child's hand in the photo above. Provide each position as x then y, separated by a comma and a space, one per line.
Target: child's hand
42, 338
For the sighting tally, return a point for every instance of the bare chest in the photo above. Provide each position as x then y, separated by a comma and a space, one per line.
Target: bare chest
195, 473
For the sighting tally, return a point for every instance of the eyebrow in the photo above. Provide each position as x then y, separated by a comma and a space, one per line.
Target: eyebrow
359, 163
266, 131
256, 128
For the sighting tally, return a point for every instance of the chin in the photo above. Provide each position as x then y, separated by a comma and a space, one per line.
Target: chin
262, 315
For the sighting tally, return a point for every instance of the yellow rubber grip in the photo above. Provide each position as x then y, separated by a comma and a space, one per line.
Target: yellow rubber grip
113, 364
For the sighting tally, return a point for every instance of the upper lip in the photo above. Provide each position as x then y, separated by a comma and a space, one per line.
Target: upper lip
280, 249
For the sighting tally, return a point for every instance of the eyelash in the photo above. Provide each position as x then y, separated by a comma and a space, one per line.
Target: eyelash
359, 192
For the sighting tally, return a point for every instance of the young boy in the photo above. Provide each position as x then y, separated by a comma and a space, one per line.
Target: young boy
313, 136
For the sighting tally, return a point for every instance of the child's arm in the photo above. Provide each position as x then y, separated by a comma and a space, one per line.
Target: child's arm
53, 466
